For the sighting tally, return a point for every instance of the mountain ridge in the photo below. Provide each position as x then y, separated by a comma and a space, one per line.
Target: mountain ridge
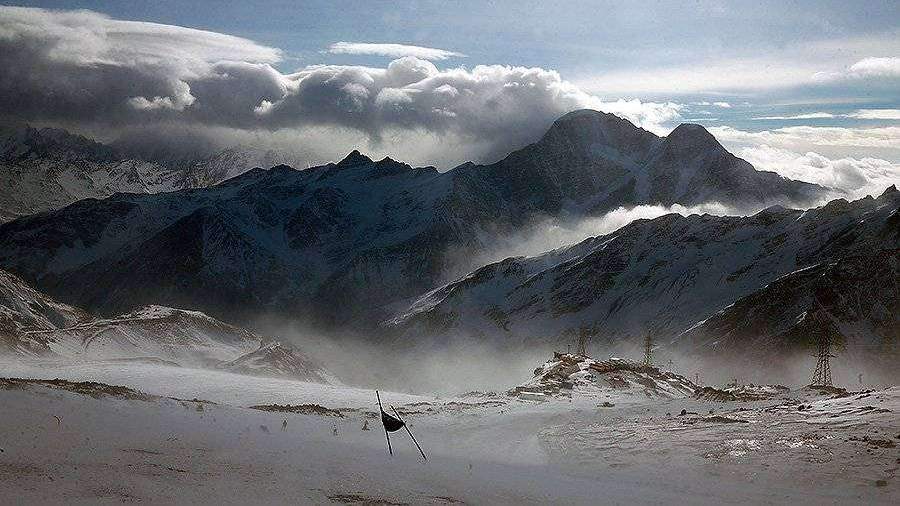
345, 242
658, 276
48, 168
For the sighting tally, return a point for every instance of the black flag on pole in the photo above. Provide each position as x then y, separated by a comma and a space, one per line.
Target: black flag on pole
392, 424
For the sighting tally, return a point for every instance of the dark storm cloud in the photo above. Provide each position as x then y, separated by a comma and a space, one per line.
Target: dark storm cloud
84, 67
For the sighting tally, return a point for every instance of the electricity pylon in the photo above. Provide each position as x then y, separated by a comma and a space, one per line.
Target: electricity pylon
822, 375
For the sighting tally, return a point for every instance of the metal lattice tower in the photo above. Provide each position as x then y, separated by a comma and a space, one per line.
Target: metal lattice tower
822, 374
648, 350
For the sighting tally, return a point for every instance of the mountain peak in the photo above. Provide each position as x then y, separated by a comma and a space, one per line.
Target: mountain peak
592, 120
586, 129
692, 135
690, 130
891, 190
353, 159
585, 114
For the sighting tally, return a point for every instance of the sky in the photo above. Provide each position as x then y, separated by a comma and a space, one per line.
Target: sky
808, 89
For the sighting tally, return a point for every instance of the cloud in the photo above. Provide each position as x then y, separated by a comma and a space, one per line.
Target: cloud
819, 65
742, 75
724, 105
812, 115
876, 114
708, 77
875, 67
890, 114
81, 67
864, 69
852, 177
552, 233
880, 137
81, 64
392, 50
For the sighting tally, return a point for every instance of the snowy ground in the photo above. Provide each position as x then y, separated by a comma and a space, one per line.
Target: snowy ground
482, 450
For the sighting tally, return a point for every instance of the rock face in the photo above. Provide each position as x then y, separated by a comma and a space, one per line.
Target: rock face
32, 324
46, 169
346, 243
855, 299
669, 275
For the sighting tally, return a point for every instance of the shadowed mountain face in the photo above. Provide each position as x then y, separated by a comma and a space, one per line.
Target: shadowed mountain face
665, 275
346, 242
590, 162
856, 300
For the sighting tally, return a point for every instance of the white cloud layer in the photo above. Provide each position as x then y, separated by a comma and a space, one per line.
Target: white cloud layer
709, 77
874, 114
553, 234
880, 114
851, 177
812, 115
81, 66
850, 62
797, 136
872, 67
392, 50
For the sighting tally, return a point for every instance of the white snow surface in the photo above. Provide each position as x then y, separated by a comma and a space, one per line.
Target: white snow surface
482, 448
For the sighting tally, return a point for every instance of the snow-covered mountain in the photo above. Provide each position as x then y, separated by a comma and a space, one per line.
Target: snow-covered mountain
348, 241
229, 163
34, 325
665, 275
23, 308
45, 169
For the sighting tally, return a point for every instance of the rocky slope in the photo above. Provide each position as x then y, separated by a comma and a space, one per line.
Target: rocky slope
855, 300
347, 242
34, 325
568, 374
23, 308
665, 275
